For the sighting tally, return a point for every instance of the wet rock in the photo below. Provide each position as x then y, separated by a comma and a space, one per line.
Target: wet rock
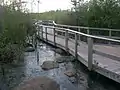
65, 59
72, 79
22, 75
47, 65
69, 67
60, 60
29, 49
70, 73
81, 79
39, 83
28, 45
60, 51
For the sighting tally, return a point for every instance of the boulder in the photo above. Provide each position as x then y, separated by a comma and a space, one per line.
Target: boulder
29, 49
63, 59
47, 65
70, 73
72, 79
39, 83
60, 51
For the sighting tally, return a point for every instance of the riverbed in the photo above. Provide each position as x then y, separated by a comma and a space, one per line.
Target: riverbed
30, 67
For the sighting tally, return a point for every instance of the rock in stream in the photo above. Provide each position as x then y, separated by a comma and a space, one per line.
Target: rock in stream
47, 65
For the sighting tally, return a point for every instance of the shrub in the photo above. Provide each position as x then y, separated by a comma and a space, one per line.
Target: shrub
15, 26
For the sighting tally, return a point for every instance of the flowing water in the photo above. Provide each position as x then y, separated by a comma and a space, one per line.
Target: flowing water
30, 67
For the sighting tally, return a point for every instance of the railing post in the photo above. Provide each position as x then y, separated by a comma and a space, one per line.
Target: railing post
79, 35
41, 32
90, 53
76, 44
88, 31
46, 33
66, 39
35, 37
54, 36
110, 35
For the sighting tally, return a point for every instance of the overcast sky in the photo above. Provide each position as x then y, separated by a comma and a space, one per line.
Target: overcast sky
47, 5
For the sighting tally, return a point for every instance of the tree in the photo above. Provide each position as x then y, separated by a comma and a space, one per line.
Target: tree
104, 13
15, 27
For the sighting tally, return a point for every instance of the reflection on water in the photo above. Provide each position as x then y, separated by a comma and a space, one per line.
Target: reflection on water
30, 67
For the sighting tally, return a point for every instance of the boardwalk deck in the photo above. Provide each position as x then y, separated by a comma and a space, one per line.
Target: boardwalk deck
103, 65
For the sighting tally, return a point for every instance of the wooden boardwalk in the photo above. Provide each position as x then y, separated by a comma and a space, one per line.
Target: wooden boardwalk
109, 67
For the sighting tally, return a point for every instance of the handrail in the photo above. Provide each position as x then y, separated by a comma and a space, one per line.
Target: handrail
82, 27
88, 29
83, 34
104, 29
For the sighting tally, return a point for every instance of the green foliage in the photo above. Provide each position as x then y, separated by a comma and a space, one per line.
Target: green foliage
93, 13
15, 26
59, 16
104, 13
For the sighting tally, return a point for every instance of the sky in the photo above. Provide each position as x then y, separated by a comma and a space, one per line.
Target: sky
47, 5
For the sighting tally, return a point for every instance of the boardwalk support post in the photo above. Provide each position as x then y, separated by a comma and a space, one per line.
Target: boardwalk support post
54, 36
38, 31
46, 33
79, 34
41, 32
90, 53
66, 39
88, 31
76, 44
110, 35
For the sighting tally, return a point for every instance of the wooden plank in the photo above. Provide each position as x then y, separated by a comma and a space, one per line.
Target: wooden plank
49, 34
107, 55
60, 36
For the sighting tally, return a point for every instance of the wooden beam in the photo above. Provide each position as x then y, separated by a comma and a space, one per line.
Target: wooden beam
76, 44
54, 31
66, 40
46, 33
42, 32
90, 53
107, 55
